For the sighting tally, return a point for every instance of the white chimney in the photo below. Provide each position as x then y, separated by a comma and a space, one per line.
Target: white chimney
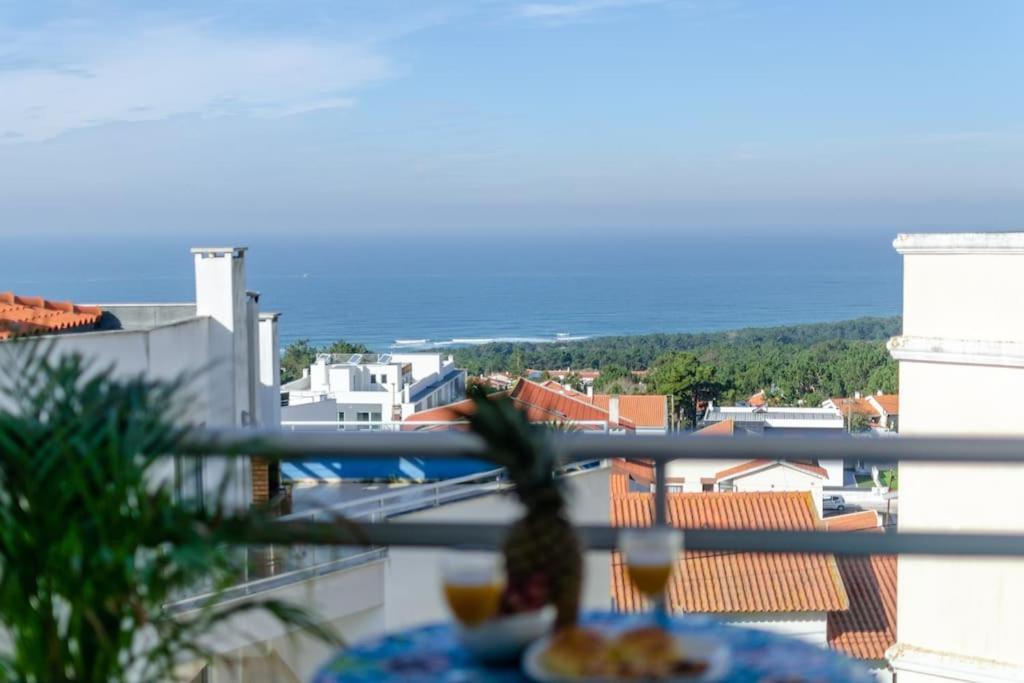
221, 296
269, 415
590, 390
613, 409
856, 394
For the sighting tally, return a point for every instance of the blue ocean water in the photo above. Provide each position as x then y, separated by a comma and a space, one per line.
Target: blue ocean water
437, 291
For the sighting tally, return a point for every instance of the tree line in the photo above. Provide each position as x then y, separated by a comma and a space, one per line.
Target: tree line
793, 364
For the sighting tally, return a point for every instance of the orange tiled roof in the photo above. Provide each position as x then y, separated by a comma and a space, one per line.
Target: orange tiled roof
868, 628
724, 428
645, 410
716, 581
540, 404
22, 316
890, 403
854, 521
758, 399
855, 406
758, 464
618, 483
545, 405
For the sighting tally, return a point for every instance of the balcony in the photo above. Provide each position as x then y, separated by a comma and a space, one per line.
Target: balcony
409, 526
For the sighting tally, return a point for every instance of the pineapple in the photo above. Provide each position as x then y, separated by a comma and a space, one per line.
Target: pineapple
543, 558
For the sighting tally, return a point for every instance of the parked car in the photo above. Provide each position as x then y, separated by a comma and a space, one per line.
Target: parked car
833, 503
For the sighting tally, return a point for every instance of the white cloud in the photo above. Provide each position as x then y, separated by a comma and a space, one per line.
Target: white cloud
576, 9
53, 83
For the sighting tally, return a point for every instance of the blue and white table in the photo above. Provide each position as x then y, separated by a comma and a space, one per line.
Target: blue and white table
432, 653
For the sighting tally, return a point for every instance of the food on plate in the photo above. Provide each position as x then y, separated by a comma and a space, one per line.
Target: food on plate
645, 653
648, 653
577, 652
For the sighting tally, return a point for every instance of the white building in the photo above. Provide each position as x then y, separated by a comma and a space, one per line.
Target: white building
225, 348
767, 421
963, 335
372, 388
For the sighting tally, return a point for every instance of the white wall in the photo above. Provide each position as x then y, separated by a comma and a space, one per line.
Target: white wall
960, 615
781, 478
693, 470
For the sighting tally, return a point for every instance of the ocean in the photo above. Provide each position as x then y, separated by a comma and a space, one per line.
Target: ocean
435, 291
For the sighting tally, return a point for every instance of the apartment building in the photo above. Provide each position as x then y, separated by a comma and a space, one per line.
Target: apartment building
371, 390
963, 334
221, 344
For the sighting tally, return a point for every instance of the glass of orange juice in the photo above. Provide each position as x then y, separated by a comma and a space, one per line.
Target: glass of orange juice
651, 555
473, 585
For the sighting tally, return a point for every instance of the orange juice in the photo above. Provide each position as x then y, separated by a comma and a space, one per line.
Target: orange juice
473, 603
650, 579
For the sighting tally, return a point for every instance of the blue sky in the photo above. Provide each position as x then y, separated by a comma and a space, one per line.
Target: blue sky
393, 116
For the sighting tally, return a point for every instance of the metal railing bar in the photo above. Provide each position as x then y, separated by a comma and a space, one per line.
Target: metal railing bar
405, 492
287, 445
596, 537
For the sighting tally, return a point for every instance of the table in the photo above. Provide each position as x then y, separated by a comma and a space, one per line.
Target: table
432, 653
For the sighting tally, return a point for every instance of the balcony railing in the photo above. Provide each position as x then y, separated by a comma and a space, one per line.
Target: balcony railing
659, 449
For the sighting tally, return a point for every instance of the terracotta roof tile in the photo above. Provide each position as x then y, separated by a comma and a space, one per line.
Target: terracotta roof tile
715, 581
645, 410
890, 403
758, 399
540, 404
618, 483
855, 406
724, 428
868, 627
854, 521
753, 465
22, 316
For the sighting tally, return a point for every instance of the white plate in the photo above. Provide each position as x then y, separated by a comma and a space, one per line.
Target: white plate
710, 650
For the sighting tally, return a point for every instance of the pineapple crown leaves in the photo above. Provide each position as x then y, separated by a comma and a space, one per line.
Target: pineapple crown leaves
523, 449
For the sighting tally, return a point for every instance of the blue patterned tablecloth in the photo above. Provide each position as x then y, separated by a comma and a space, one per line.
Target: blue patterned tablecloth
432, 653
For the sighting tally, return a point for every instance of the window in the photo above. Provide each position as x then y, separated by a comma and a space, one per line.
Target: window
362, 417
707, 487
373, 379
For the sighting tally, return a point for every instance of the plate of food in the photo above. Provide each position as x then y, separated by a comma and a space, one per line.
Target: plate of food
588, 655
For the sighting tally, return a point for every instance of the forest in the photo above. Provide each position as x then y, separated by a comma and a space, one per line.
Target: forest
794, 363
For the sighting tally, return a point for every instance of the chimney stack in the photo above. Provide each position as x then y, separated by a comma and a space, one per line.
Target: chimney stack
590, 390
613, 409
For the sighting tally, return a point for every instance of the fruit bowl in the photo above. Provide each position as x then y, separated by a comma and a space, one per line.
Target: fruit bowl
504, 638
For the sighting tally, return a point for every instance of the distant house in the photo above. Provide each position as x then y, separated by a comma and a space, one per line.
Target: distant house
881, 411
769, 421
226, 350
647, 412
693, 475
792, 593
542, 404
587, 377
369, 390
757, 400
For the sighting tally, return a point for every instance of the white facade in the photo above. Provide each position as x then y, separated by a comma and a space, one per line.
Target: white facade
376, 389
784, 421
963, 335
226, 353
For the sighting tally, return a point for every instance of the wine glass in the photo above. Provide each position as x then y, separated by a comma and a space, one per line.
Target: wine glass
651, 555
473, 585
